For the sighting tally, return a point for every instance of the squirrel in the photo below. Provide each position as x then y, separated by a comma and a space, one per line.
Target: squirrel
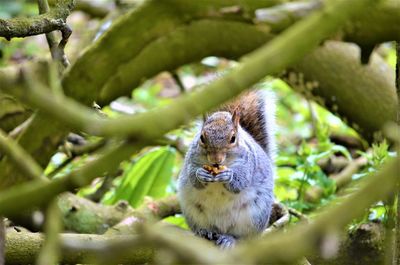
235, 201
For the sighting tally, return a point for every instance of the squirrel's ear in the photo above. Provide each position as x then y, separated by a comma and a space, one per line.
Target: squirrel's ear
236, 118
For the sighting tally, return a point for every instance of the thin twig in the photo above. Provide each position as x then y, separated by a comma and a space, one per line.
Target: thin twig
178, 81
298, 214
75, 152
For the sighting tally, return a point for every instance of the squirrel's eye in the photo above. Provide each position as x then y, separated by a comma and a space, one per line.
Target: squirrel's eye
233, 139
202, 139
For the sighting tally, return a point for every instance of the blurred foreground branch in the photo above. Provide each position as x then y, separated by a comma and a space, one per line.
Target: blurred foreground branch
275, 247
23, 161
153, 124
308, 239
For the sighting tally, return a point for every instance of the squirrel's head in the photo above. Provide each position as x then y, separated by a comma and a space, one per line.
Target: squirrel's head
219, 136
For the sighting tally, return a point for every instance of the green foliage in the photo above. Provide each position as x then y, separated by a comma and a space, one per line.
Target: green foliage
12, 8
147, 95
298, 167
177, 220
148, 176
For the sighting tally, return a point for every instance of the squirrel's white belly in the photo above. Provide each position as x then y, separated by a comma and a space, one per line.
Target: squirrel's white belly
215, 207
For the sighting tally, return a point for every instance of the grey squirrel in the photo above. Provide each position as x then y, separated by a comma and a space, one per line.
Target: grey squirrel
234, 200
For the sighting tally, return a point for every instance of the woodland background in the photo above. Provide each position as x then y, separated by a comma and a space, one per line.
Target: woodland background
94, 126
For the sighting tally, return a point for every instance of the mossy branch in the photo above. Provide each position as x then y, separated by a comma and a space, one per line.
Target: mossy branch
43, 142
306, 239
39, 192
45, 23
153, 124
275, 247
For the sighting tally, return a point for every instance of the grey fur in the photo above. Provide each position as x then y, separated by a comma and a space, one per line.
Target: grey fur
237, 202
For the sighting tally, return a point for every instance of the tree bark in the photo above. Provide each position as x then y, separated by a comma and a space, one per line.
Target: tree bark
44, 23
334, 76
2, 241
23, 247
362, 245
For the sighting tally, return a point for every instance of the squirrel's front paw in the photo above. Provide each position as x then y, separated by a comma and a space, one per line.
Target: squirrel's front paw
225, 241
204, 176
224, 176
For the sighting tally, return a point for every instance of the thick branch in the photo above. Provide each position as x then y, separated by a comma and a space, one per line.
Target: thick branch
43, 143
23, 247
45, 23
152, 125
275, 247
39, 192
2, 241
334, 77
103, 63
95, 9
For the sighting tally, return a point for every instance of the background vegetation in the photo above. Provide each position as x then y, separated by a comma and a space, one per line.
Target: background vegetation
97, 183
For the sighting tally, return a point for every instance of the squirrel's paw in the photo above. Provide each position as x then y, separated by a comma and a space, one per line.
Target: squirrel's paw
225, 241
204, 176
225, 176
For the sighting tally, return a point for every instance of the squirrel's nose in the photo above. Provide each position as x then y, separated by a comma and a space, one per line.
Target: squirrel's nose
216, 158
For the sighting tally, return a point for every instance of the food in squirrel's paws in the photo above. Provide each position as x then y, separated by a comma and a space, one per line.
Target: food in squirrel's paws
214, 170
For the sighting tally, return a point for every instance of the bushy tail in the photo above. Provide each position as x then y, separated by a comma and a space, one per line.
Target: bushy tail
257, 117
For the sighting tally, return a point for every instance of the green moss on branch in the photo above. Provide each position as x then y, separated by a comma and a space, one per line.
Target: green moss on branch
363, 94
23, 27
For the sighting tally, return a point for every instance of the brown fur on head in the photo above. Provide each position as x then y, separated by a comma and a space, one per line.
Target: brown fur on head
219, 135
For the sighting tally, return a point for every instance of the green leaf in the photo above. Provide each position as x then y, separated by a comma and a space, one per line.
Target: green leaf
149, 176
158, 188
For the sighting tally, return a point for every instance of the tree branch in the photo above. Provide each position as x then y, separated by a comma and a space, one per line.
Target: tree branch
50, 252
45, 23
30, 244
314, 193
2, 241
94, 9
42, 142
57, 50
333, 76
306, 239
22, 160
39, 192
152, 125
